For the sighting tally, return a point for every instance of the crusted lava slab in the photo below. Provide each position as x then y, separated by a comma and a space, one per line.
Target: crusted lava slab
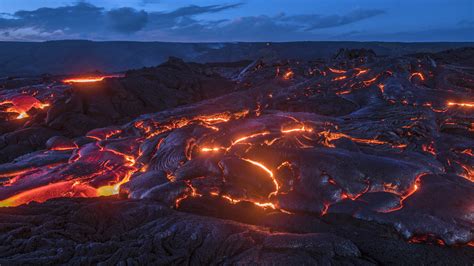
386, 140
111, 231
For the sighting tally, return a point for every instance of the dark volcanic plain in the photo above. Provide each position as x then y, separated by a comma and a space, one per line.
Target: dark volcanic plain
353, 159
80, 56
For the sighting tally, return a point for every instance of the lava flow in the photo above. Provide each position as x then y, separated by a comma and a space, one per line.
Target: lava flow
358, 139
417, 74
467, 105
90, 79
22, 104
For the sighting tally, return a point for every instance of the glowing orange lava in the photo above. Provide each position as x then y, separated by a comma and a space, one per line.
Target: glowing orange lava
22, 104
89, 79
428, 238
235, 142
382, 88
337, 71
370, 81
468, 152
54, 190
288, 74
417, 74
297, 129
259, 204
429, 148
361, 71
330, 136
408, 193
339, 78
468, 105
270, 173
250, 136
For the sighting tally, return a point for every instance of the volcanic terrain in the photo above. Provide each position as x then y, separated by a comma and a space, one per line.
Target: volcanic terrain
357, 159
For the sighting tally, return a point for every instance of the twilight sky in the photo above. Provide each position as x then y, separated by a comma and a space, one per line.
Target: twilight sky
239, 20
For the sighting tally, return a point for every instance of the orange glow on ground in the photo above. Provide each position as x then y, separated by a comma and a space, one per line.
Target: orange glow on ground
339, 78
370, 81
417, 74
337, 71
288, 74
468, 105
270, 173
408, 193
330, 136
22, 104
215, 149
297, 129
237, 141
89, 79
361, 71
259, 204
54, 190
382, 88
249, 137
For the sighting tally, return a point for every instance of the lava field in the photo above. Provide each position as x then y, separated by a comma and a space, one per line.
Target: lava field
358, 159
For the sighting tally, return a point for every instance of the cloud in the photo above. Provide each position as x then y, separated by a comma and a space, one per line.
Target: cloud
466, 23
448, 34
188, 23
85, 20
149, 2
127, 20
183, 16
30, 34
78, 18
319, 22
280, 27
196, 10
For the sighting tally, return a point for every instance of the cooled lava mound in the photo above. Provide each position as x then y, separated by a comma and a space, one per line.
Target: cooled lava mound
359, 159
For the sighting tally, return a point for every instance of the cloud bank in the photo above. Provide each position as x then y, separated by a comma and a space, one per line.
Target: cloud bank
87, 21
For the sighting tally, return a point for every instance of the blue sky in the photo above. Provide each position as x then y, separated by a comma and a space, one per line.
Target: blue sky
244, 20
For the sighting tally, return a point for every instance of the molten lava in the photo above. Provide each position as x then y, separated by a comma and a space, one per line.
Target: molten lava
22, 104
288, 74
297, 129
370, 81
467, 105
54, 190
417, 74
360, 154
90, 79
339, 78
361, 71
381, 87
337, 71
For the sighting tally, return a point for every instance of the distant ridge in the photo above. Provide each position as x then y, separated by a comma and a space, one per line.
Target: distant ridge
80, 56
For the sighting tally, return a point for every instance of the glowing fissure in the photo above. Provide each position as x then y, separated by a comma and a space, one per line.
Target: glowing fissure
415, 186
22, 104
467, 105
337, 71
417, 74
370, 81
361, 71
235, 142
297, 129
330, 136
339, 78
90, 79
288, 75
264, 168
